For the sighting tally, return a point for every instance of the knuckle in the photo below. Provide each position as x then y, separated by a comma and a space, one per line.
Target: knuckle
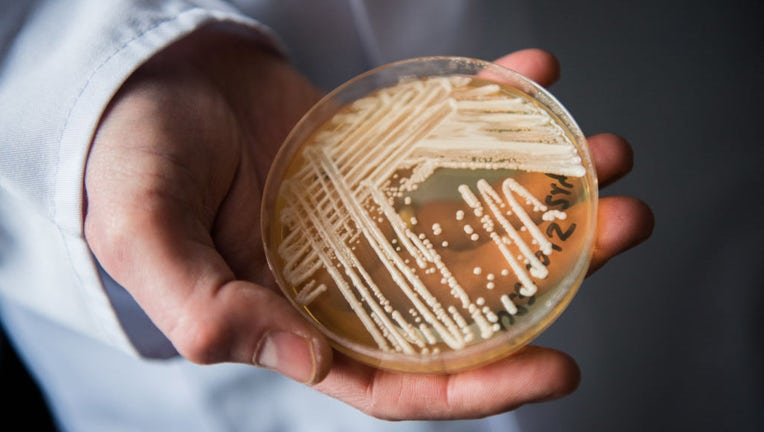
203, 342
108, 238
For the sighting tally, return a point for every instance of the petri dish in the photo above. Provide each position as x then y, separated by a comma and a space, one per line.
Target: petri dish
432, 215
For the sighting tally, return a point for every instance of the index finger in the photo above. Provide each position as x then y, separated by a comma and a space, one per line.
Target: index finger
538, 65
533, 374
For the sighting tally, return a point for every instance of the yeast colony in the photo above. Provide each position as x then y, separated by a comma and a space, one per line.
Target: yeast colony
432, 215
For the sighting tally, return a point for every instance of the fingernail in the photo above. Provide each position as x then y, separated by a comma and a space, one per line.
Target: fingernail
288, 354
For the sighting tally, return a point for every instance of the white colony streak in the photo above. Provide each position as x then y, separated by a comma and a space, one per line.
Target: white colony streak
360, 148
490, 315
306, 295
491, 197
486, 330
415, 246
386, 332
484, 90
380, 317
481, 124
523, 192
422, 172
459, 81
299, 272
305, 290
408, 329
499, 105
413, 113
554, 214
343, 255
432, 116
517, 120
387, 255
510, 185
374, 116
465, 162
420, 247
489, 143
358, 135
298, 268
291, 242
427, 333
408, 132
342, 286
460, 321
359, 132
519, 271
508, 305
401, 231
428, 130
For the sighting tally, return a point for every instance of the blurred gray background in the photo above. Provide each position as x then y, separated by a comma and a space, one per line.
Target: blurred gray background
670, 335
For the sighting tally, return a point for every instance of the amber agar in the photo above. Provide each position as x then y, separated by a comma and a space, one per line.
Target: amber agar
432, 215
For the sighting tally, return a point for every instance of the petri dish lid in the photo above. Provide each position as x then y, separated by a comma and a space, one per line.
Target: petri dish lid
432, 215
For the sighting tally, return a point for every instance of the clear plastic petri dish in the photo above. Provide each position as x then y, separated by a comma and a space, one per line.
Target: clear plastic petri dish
432, 215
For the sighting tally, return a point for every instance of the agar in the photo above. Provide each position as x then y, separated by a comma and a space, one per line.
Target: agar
428, 216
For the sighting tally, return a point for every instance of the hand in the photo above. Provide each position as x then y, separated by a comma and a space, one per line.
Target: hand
534, 374
173, 184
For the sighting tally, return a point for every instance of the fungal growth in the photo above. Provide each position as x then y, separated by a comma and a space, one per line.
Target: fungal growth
431, 215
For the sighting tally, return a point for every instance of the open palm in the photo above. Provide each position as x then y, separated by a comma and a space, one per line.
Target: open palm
174, 181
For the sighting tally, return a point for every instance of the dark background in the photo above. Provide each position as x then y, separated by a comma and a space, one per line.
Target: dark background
670, 335
23, 403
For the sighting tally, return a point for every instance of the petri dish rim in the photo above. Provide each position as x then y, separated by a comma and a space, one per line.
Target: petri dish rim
387, 75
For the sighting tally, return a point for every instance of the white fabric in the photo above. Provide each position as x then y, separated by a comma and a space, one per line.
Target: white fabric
92, 387
58, 74
81, 334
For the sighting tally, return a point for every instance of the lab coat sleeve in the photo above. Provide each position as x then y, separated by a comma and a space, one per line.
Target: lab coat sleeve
60, 64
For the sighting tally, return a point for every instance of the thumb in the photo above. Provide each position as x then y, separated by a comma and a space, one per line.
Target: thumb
164, 256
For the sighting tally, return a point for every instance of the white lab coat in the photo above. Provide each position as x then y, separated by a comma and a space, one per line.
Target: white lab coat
94, 352
668, 336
